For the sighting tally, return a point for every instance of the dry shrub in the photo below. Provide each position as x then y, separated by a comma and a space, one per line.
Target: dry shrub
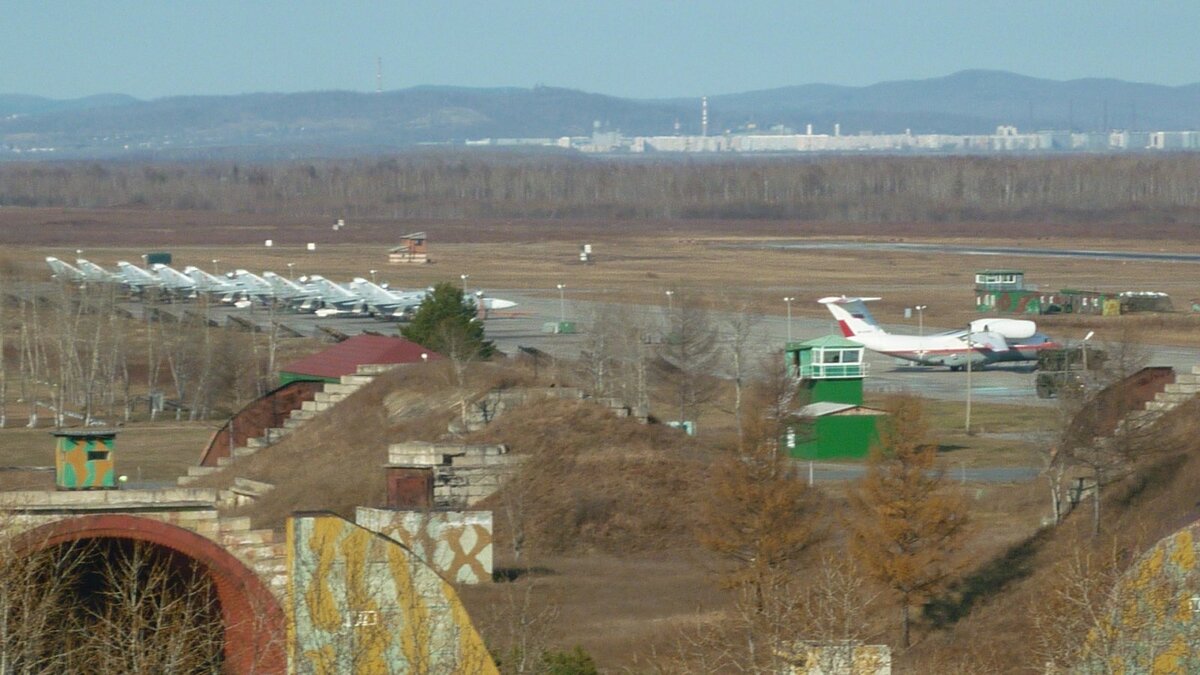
1156, 498
591, 480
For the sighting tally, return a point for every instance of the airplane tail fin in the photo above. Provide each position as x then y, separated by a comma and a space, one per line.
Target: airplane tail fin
852, 315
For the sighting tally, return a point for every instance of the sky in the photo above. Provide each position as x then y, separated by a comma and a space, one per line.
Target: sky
630, 48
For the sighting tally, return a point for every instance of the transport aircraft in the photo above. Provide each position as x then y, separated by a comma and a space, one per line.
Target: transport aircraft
64, 271
985, 341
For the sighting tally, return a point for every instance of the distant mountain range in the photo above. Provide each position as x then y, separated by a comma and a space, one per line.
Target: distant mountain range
339, 123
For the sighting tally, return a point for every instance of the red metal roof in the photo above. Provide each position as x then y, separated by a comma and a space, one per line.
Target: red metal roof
345, 357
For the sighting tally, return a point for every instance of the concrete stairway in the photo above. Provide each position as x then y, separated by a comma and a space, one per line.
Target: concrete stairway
257, 548
330, 395
1184, 388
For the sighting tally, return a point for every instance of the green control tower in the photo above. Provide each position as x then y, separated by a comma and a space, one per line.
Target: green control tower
830, 369
834, 424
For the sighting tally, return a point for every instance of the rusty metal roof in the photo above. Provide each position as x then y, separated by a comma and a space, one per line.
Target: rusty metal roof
344, 358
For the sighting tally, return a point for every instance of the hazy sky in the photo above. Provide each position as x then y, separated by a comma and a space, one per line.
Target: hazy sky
638, 48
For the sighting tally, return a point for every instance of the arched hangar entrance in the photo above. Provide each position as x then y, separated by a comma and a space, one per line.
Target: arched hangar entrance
254, 632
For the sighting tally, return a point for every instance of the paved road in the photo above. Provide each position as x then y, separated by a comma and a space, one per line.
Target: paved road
973, 250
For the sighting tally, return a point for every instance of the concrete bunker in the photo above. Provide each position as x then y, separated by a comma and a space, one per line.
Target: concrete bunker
252, 625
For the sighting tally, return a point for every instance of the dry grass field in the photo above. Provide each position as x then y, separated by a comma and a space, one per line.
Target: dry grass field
638, 261
626, 608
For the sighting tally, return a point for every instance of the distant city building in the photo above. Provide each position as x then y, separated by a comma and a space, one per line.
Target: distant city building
780, 139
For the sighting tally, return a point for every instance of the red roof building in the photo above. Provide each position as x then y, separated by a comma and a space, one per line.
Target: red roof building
345, 357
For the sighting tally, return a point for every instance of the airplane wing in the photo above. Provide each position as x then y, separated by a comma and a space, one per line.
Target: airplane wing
988, 340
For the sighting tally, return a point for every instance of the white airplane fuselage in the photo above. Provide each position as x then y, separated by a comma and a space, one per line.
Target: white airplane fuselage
989, 341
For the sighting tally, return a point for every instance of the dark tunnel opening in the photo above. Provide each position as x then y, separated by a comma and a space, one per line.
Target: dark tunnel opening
109, 605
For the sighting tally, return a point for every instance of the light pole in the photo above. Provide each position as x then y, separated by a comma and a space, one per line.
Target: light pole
562, 303
372, 275
290, 277
1085, 350
216, 270
970, 355
464, 280
789, 317
921, 318
670, 306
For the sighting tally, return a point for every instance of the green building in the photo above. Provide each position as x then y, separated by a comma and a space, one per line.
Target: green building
1005, 291
83, 459
835, 424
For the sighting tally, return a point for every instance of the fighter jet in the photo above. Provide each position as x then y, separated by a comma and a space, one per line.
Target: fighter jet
218, 287
384, 303
65, 272
174, 281
95, 274
335, 299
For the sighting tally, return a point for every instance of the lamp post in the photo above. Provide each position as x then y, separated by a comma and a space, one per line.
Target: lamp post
670, 306
216, 270
290, 266
372, 275
920, 318
1084, 345
464, 282
789, 317
562, 303
970, 355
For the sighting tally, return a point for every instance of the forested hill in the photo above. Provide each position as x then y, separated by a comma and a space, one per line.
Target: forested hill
339, 123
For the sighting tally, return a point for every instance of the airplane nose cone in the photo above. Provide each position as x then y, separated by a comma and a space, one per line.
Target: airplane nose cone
497, 303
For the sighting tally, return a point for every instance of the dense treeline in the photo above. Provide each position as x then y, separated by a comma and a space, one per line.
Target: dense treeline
860, 189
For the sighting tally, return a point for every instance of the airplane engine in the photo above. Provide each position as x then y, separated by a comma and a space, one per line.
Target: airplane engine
1012, 329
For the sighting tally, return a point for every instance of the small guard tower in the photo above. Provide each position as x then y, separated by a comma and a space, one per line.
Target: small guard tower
830, 368
83, 459
1005, 291
835, 422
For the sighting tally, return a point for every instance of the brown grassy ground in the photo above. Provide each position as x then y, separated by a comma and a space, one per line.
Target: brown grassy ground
623, 607
636, 260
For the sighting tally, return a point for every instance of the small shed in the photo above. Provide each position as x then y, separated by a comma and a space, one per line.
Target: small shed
413, 248
833, 431
344, 358
83, 459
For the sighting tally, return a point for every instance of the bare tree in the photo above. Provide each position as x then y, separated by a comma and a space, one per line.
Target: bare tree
740, 323
689, 356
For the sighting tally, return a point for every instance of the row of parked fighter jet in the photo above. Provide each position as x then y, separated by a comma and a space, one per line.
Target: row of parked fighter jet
241, 288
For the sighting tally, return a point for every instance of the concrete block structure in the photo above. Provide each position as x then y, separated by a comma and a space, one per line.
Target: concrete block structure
462, 474
326, 597
457, 544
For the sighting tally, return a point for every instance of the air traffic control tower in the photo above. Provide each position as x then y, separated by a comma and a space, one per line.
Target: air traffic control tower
834, 422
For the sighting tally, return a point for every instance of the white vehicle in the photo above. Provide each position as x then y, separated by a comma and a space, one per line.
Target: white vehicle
986, 341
